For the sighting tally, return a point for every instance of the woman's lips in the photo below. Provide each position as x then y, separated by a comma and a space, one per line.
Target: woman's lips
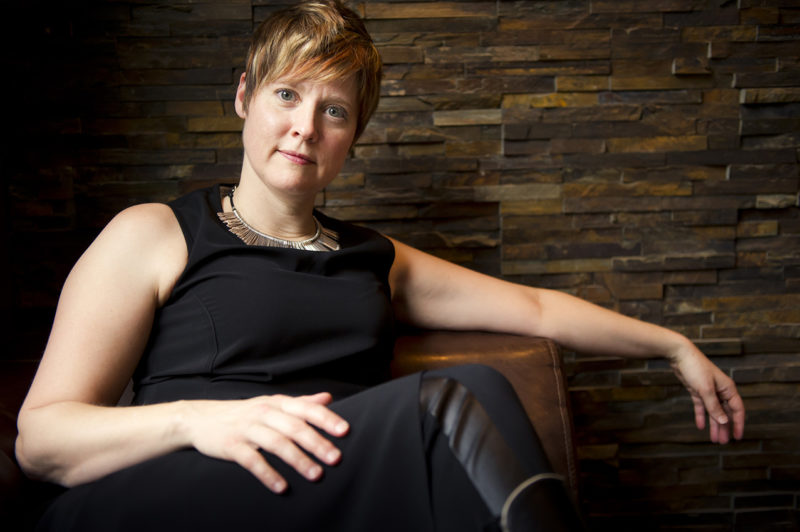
297, 158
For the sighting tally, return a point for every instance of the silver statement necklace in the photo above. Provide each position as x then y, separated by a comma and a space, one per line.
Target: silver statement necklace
324, 239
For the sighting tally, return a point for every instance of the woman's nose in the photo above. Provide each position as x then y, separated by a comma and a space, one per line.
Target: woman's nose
304, 123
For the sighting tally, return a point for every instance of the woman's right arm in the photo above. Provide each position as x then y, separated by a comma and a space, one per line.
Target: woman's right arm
70, 432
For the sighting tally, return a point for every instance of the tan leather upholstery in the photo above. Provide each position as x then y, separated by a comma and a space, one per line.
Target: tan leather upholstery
532, 365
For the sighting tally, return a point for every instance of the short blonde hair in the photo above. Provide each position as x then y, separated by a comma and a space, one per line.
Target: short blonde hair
319, 40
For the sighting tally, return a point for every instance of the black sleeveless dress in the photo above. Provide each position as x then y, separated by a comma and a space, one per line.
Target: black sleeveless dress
250, 320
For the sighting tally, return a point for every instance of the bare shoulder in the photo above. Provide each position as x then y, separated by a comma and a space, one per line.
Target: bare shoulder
146, 239
147, 220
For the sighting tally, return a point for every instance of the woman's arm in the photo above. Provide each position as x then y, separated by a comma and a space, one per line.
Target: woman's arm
69, 430
432, 293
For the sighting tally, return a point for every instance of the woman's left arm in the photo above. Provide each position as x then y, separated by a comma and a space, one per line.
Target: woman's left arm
432, 293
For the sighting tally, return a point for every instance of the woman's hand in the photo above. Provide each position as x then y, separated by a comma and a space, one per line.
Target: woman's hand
712, 391
278, 424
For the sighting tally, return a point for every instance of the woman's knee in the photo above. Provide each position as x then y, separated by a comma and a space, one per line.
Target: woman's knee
481, 379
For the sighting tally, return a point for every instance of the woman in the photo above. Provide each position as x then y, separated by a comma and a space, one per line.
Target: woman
258, 333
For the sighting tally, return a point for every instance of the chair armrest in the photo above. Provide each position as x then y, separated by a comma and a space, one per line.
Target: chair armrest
533, 366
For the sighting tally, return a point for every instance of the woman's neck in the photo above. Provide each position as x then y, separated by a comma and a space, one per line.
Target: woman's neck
287, 219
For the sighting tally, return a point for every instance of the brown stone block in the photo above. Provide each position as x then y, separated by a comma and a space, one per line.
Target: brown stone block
372, 212
422, 150
673, 262
513, 132
348, 180
468, 26
561, 99
727, 157
620, 112
483, 148
690, 66
690, 278
533, 191
670, 97
765, 339
416, 87
573, 52
482, 54
557, 266
416, 10
581, 250
582, 83
769, 127
515, 252
401, 54
632, 6
656, 144
639, 188
674, 173
779, 32
770, 95
766, 79
544, 68
660, 82
710, 216
720, 346
561, 145
527, 176
465, 117
730, 33
776, 201
587, 204
523, 31
757, 186
402, 104
747, 319
525, 147
759, 15
757, 229
422, 72
531, 207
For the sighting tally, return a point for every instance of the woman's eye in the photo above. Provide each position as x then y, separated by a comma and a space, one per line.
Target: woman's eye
336, 112
285, 95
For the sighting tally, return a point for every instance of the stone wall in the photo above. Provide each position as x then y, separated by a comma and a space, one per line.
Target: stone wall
643, 155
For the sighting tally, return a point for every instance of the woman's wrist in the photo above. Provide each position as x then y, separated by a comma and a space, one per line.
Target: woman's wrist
678, 347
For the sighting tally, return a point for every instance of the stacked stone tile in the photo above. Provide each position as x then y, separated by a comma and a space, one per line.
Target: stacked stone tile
643, 155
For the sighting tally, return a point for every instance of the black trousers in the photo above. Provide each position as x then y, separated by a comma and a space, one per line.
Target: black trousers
442, 450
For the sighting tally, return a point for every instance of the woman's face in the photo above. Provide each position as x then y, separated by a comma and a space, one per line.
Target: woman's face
297, 134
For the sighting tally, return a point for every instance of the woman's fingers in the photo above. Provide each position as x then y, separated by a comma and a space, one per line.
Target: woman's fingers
284, 448
285, 427
251, 460
313, 410
294, 428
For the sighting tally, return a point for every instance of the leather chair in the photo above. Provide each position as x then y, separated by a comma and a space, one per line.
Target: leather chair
532, 365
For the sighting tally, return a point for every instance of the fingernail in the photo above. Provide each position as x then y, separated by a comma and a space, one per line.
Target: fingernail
341, 427
333, 456
279, 486
314, 472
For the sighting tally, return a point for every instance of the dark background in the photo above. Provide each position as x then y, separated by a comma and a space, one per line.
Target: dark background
643, 155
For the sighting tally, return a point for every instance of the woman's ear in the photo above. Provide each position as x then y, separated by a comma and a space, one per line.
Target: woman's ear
240, 101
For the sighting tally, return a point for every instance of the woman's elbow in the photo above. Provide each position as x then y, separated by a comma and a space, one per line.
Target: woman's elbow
32, 455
